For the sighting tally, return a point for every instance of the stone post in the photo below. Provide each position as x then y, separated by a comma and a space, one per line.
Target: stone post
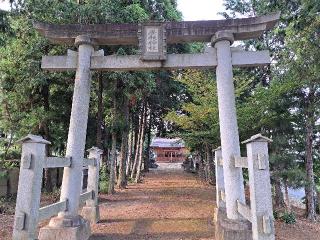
220, 192
29, 188
260, 188
69, 224
91, 210
233, 180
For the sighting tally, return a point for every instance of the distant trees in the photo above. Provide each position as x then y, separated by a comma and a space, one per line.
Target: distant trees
38, 102
281, 101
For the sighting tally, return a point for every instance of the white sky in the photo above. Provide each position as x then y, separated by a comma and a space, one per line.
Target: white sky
191, 9
4, 5
201, 9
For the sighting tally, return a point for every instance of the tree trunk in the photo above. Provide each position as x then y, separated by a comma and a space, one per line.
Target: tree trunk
124, 147
44, 130
141, 155
279, 202
134, 136
201, 171
137, 145
135, 140
310, 186
100, 112
130, 144
113, 158
318, 200
210, 164
7, 117
112, 163
286, 190
147, 158
8, 192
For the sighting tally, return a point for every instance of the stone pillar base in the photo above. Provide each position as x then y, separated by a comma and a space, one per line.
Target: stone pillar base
227, 229
92, 214
60, 228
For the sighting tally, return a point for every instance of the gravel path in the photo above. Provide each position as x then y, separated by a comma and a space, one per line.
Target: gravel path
169, 204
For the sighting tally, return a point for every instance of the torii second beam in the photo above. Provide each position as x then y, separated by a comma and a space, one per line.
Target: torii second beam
174, 61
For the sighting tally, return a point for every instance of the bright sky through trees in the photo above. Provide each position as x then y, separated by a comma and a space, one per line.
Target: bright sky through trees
4, 5
201, 9
191, 9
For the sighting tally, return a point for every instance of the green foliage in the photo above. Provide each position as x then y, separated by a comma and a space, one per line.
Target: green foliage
3, 174
38, 102
288, 217
104, 179
135, 13
199, 111
284, 99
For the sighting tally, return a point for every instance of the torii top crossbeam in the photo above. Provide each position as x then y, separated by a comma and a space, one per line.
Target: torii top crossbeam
175, 32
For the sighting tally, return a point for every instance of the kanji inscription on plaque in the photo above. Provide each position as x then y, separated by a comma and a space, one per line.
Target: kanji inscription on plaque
152, 35
152, 42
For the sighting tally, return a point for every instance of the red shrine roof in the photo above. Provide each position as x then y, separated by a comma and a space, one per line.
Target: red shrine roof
167, 143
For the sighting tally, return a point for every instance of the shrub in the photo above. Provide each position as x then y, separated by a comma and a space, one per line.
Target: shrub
289, 217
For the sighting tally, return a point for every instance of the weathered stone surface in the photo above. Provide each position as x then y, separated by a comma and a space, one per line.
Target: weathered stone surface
29, 188
176, 32
174, 61
222, 35
226, 229
152, 41
260, 188
68, 224
88, 195
219, 179
241, 162
233, 180
72, 176
52, 210
57, 162
91, 210
91, 213
245, 211
79, 232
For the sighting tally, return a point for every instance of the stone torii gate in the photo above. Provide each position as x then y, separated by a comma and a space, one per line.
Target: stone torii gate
152, 39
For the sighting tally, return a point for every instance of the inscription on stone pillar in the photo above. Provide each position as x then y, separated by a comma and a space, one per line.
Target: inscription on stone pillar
152, 42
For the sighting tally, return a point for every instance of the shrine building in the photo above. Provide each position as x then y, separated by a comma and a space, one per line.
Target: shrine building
169, 150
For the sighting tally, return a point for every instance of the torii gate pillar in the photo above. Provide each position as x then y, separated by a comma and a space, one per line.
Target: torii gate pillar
230, 144
230, 222
69, 224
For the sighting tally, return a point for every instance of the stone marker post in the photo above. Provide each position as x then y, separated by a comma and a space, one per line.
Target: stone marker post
69, 224
233, 180
91, 210
221, 205
29, 189
260, 188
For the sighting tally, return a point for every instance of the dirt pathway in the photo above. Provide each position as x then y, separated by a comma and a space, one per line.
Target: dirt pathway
169, 204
